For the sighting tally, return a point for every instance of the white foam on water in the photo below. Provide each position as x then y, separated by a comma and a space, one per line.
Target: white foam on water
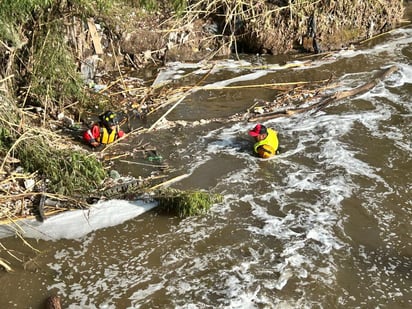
326, 132
294, 260
177, 70
245, 77
406, 75
140, 295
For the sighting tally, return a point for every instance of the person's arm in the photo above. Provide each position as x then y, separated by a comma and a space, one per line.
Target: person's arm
120, 133
91, 135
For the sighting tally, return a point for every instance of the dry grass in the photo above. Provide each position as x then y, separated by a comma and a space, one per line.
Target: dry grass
280, 26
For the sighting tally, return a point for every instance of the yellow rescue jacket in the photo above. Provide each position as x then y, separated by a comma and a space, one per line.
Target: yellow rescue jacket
105, 137
271, 140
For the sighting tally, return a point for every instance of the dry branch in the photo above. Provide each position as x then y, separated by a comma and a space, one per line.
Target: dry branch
6, 266
337, 96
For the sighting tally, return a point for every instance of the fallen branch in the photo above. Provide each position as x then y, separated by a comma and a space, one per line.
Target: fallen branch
271, 85
333, 98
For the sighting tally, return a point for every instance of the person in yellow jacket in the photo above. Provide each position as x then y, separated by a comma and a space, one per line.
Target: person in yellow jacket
105, 131
266, 141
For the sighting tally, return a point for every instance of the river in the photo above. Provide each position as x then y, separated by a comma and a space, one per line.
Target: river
324, 224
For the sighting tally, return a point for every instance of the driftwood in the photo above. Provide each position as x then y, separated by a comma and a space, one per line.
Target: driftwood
95, 37
333, 98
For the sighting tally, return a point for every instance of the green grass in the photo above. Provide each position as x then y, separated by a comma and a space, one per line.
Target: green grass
186, 203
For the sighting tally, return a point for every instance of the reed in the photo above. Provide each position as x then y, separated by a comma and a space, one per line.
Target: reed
280, 26
67, 172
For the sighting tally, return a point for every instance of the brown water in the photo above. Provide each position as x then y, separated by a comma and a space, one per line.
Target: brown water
326, 224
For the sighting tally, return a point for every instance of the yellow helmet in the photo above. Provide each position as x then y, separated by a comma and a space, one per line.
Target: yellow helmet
266, 151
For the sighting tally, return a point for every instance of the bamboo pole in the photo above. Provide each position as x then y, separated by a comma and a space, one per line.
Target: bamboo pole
376, 36
170, 181
170, 109
264, 85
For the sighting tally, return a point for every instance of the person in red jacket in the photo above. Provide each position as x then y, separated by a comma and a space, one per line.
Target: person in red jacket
266, 141
105, 131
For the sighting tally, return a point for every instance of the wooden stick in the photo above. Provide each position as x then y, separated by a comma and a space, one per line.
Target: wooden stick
263, 85
6, 78
144, 164
5, 265
95, 36
376, 36
170, 109
116, 156
170, 181
117, 65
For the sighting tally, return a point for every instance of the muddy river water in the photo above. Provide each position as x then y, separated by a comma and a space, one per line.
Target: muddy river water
325, 224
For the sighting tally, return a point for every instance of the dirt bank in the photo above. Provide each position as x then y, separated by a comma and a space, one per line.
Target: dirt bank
223, 28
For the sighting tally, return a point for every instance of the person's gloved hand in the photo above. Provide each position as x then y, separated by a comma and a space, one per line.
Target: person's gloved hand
265, 151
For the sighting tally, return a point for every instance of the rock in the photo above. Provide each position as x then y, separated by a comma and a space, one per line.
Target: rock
53, 302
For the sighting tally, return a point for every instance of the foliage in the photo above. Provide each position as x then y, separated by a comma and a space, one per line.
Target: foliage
152, 5
186, 203
13, 14
67, 171
54, 76
35, 52
42, 59
179, 6
5, 139
9, 120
